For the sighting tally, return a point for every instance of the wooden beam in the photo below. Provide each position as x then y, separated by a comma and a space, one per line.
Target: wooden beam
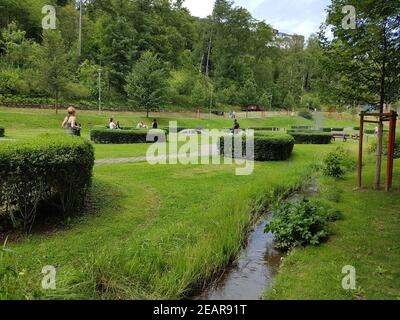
360, 150
391, 145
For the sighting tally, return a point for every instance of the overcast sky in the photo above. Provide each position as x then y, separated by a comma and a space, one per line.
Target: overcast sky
292, 16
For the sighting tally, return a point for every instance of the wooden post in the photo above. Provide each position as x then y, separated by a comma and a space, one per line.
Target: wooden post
391, 144
379, 155
360, 149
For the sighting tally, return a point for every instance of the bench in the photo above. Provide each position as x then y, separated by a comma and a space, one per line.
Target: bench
340, 135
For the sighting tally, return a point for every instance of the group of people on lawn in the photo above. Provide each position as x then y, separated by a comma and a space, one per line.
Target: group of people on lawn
70, 123
112, 125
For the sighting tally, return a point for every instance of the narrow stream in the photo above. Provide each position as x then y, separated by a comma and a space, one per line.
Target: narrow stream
253, 272
256, 267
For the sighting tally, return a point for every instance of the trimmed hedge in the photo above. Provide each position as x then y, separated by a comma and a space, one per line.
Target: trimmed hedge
2, 132
372, 131
103, 135
49, 174
178, 129
267, 146
267, 129
311, 137
306, 115
302, 128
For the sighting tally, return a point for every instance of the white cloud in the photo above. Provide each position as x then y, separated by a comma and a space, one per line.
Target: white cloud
200, 8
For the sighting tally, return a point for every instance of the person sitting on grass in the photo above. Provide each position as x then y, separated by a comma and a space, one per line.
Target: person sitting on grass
118, 126
140, 125
70, 122
236, 127
155, 124
112, 124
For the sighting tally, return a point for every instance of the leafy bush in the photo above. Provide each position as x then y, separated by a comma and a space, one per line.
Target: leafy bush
373, 146
104, 135
311, 137
267, 146
337, 163
300, 223
2, 132
306, 115
45, 175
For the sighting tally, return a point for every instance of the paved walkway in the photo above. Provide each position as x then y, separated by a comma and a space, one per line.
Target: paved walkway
204, 151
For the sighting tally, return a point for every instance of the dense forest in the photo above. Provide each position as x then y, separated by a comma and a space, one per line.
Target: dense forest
154, 54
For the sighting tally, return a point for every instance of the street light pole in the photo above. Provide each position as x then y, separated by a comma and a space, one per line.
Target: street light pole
99, 84
80, 28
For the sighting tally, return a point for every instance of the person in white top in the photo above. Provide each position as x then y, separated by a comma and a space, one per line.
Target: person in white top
112, 124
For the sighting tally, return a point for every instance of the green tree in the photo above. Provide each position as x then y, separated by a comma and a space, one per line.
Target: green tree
52, 66
289, 103
366, 58
147, 82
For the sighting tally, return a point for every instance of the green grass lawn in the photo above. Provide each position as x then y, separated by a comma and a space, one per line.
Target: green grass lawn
367, 239
157, 232
23, 123
161, 231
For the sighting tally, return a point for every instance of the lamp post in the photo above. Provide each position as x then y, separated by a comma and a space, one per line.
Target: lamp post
99, 85
80, 29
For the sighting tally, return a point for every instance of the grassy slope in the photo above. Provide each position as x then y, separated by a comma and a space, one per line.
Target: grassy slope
161, 230
367, 239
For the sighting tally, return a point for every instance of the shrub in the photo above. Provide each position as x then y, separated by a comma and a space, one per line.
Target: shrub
372, 131
373, 146
311, 137
267, 146
44, 175
306, 115
266, 129
178, 129
104, 135
2, 132
300, 223
337, 163
300, 128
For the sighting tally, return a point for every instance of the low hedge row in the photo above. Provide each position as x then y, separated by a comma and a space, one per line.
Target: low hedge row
104, 135
267, 146
2, 132
178, 129
311, 137
266, 129
49, 174
372, 131
302, 128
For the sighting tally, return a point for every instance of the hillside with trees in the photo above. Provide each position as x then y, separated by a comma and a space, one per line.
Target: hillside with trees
226, 60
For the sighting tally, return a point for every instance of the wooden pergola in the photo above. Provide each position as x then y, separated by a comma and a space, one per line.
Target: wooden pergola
383, 117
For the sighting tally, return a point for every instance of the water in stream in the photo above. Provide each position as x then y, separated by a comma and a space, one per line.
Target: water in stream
252, 274
258, 263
